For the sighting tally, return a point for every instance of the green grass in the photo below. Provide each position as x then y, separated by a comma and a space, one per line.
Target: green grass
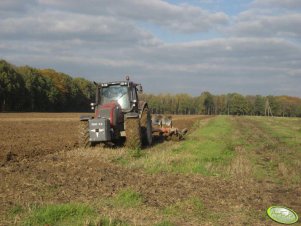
60, 214
208, 146
285, 130
73, 214
105, 221
16, 210
211, 147
288, 148
273, 145
189, 208
127, 199
164, 223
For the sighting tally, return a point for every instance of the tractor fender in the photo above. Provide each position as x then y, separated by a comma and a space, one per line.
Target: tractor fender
141, 106
85, 117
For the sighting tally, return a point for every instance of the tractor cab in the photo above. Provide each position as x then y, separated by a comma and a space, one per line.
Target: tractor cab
124, 93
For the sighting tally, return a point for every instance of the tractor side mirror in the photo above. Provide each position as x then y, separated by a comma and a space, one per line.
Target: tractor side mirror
140, 89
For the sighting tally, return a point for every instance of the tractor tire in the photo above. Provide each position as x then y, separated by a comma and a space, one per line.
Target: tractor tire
83, 139
146, 128
133, 133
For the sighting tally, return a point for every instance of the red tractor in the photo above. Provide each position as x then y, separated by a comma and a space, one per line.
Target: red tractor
118, 114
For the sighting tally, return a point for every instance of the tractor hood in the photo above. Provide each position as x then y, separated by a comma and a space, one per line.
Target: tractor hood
111, 111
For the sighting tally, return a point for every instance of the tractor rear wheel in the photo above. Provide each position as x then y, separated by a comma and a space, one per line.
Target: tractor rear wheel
146, 128
83, 139
133, 133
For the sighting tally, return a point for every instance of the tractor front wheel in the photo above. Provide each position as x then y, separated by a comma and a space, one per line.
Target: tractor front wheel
83, 139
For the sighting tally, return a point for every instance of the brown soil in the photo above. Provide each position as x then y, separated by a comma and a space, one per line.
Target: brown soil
186, 121
59, 178
26, 135
36, 136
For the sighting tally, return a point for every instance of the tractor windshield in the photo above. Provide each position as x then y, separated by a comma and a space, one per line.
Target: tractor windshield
115, 93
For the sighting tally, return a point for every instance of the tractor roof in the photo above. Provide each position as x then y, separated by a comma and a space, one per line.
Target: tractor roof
122, 83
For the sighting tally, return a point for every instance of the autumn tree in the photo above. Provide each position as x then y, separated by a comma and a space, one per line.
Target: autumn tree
12, 90
259, 105
238, 105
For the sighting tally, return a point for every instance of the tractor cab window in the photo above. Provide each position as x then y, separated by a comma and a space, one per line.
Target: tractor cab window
134, 94
115, 93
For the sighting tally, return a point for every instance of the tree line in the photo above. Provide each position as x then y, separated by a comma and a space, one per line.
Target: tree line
29, 89
226, 104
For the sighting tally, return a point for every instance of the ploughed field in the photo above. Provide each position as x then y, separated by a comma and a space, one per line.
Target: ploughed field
227, 171
38, 134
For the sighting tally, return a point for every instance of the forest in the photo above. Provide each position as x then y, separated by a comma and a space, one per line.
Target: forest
28, 89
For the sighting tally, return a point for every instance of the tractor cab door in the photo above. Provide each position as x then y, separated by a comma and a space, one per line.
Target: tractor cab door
134, 97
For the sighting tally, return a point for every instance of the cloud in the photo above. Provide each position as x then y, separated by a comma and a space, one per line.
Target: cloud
178, 18
268, 18
57, 26
252, 24
15, 7
224, 52
290, 4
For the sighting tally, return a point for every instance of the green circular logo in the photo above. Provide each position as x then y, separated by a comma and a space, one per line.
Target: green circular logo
282, 215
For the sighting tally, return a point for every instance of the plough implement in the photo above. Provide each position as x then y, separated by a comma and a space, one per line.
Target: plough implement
164, 127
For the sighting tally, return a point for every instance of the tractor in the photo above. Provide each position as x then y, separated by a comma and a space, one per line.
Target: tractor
118, 114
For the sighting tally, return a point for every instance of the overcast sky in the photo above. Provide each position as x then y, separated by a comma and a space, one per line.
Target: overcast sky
221, 46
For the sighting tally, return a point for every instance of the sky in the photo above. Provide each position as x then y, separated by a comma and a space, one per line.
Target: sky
172, 46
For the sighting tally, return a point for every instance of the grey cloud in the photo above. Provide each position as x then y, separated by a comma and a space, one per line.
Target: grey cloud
15, 5
252, 24
268, 18
290, 4
179, 18
54, 26
221, 53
